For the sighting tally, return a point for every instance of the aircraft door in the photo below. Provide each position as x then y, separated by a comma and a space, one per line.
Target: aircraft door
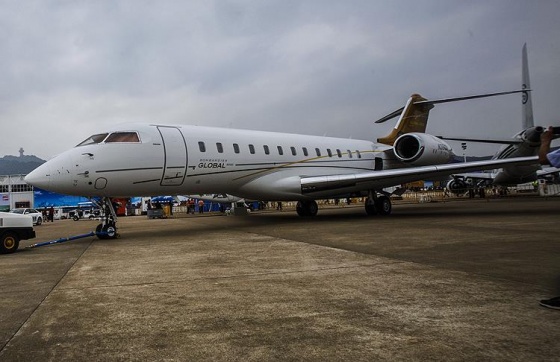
175, 156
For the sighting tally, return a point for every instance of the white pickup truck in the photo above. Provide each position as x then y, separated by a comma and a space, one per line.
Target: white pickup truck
13, 228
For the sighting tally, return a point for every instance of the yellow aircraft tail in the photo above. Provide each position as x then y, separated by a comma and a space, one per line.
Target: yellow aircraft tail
414, 115
413, 118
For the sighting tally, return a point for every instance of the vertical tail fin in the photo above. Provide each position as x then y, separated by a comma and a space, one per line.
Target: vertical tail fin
526, 102
413, 118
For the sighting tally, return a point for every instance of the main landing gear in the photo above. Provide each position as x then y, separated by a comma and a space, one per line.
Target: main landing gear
307, 208
108, 227
378, 204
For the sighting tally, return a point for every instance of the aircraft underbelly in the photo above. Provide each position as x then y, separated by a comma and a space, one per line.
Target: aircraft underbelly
516, 175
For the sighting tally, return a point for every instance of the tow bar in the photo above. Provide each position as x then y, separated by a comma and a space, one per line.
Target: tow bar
63, 240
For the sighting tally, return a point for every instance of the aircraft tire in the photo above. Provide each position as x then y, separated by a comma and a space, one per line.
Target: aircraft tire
370, 207
98, 229
10, 243
383, 205
307, 208
109, 231
300, 209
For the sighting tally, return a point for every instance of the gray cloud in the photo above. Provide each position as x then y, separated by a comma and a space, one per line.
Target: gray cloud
315, 67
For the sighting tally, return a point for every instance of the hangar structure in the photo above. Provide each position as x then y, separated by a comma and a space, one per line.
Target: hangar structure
15, 193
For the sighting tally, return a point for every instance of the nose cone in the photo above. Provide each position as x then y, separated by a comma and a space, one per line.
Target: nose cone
40, 177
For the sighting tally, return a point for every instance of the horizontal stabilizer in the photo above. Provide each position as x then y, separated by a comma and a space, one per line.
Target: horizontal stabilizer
390, 116
448, 100
505, 141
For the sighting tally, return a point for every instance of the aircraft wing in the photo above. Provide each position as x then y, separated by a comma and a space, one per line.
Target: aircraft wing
385, 178
547, 171
476, 175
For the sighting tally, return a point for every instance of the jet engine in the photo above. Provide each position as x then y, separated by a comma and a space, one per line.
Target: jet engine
533, 135
457, 186
421, 149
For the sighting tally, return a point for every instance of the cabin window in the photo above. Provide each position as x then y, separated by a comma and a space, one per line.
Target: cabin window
126, 137
318, 152
236, 148
280, 150
220, 147
358, 154
98, 138
266, 150
329, 152
338, 153
305, 153
201, 146
349, 153
252, 149
293, 151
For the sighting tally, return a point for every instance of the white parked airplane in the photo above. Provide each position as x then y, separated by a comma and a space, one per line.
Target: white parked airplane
154, 159
524, 143
217, 198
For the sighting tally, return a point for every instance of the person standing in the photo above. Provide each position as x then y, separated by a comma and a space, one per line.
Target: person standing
545, 156
51, 214
200, 206
549, 158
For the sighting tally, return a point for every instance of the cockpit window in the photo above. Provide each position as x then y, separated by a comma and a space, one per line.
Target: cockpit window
98, 138
130, 137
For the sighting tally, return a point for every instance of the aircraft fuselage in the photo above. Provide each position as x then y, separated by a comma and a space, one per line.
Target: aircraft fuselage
172, 160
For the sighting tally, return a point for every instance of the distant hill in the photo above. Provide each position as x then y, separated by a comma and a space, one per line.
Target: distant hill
16, 165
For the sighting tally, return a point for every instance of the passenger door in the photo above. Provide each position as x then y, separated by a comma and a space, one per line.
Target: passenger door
175, 155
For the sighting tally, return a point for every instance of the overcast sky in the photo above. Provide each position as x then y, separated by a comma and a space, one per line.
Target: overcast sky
70, 68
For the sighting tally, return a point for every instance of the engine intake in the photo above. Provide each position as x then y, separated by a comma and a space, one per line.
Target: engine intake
420, 149
457, 186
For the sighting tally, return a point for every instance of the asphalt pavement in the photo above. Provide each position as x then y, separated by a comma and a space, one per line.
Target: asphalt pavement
452, 281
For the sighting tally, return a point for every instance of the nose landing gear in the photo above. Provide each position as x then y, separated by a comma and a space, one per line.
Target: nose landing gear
108, 227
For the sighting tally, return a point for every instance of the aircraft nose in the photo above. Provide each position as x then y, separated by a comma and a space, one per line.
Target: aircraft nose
40, 177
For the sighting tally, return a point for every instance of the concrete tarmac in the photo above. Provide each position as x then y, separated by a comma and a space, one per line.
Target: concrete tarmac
449, 281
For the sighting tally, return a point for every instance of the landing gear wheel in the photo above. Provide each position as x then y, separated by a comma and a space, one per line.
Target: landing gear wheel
9, 243
307, 208
108, 227
370, 207
108, 231
383, 205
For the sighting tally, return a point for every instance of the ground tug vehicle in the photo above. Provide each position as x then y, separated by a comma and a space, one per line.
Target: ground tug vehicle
13, 228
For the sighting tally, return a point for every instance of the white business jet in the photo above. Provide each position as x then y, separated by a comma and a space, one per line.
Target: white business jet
154, 159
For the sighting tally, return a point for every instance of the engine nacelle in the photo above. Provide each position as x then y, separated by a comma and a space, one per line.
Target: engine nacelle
533, 135
421, 149
457, 186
